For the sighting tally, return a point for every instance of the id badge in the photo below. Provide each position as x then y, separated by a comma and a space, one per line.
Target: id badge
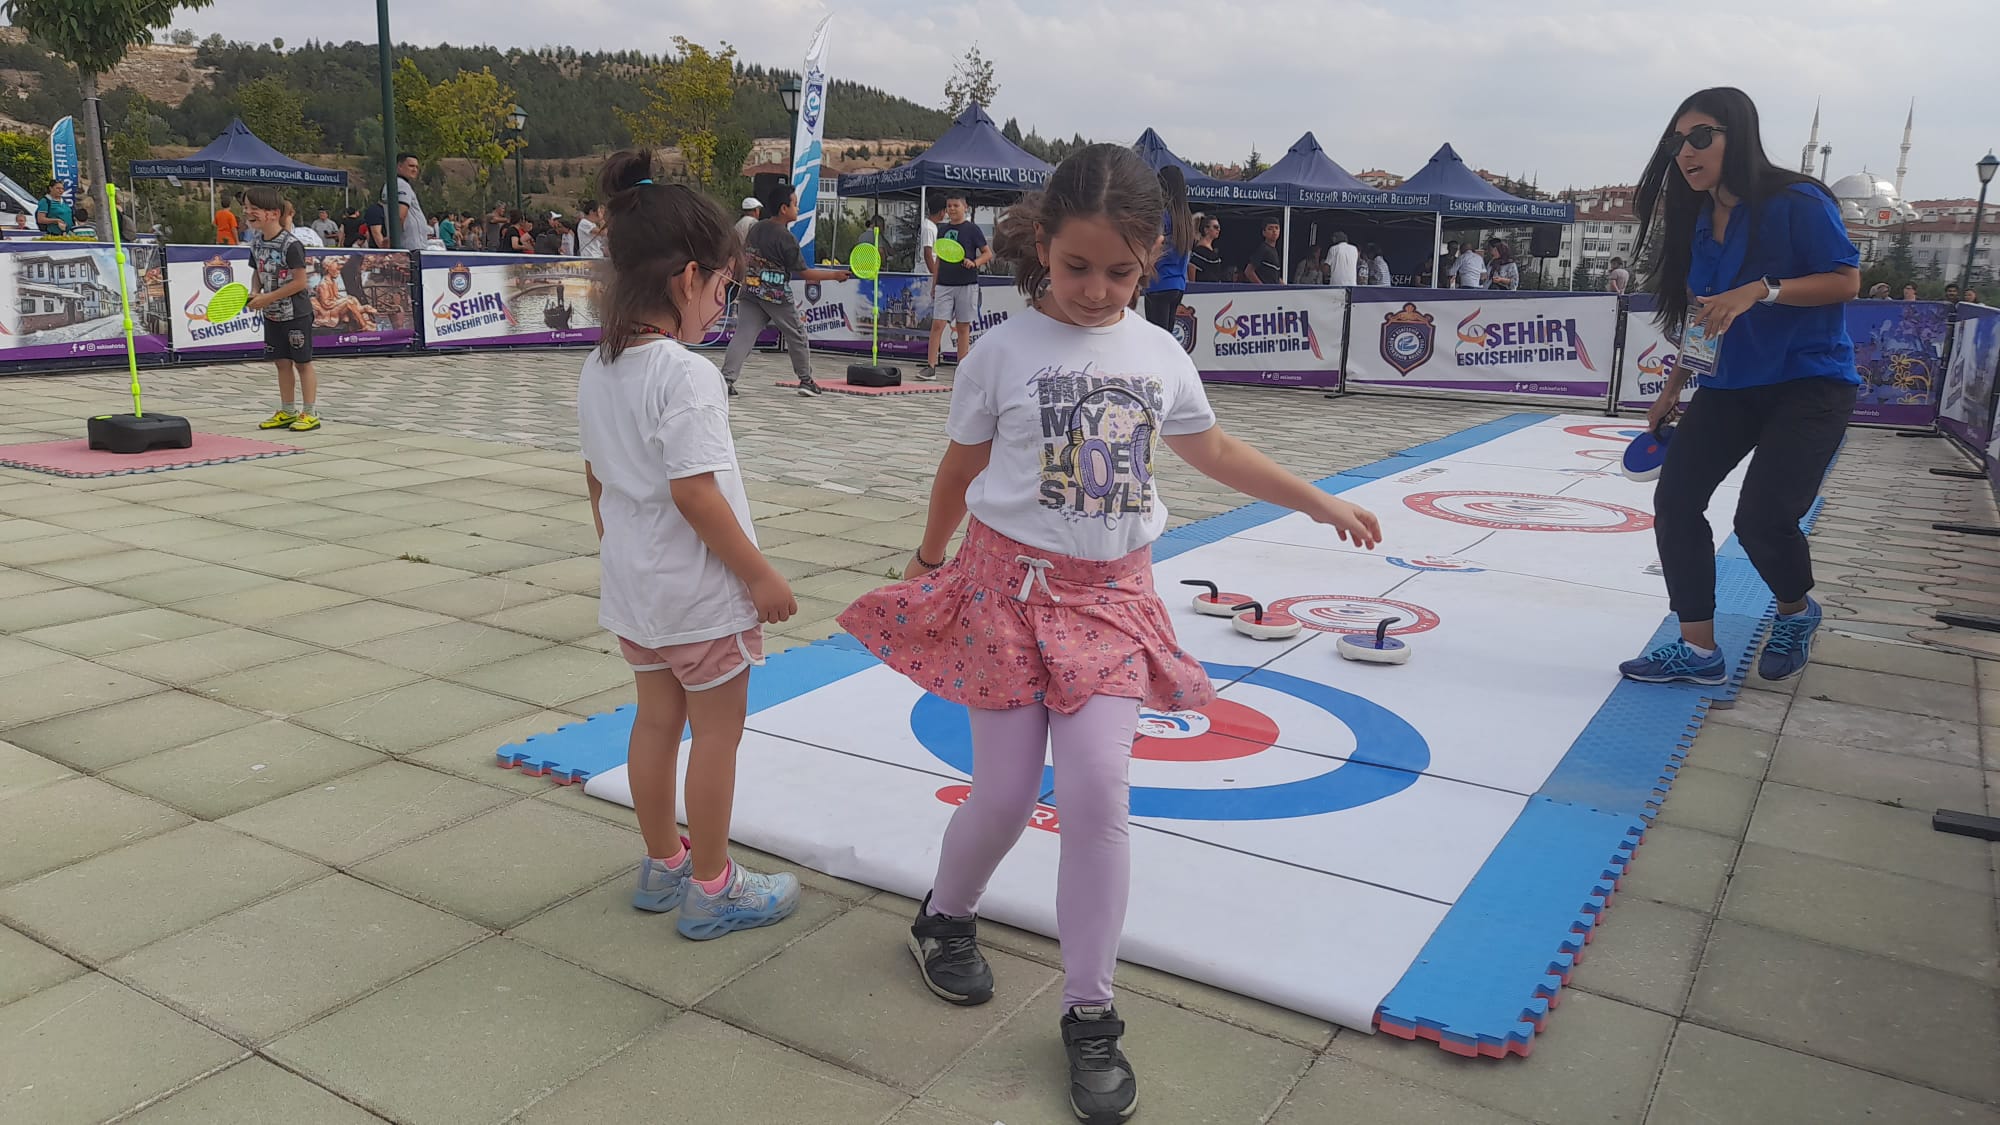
1698, 349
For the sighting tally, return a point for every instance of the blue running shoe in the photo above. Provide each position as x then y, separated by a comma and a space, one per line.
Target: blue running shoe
747, 901
660, 886
1677, 663
1790, 645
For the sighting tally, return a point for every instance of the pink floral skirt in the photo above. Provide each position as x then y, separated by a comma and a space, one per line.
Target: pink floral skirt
1007, 625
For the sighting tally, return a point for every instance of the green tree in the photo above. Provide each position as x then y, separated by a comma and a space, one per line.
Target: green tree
685, 100
93, 36
463, 116
1900, 258
1255, 164
277, 114
1011, 130
183, 38
25, 160
971, 81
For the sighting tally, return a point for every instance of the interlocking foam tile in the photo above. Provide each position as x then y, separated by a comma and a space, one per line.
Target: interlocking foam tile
843, 387
580, 751
77, 459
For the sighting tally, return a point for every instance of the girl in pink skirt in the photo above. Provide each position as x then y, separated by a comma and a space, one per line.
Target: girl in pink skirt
1046, 625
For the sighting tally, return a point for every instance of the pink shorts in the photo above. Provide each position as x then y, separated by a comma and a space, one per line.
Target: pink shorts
703, 664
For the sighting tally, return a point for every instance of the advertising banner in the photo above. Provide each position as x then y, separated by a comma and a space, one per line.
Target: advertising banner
806, 141
59, 300
63, 157
1650, 354
1899, 351
1965, 408
1483, 340
490, 300
360, 299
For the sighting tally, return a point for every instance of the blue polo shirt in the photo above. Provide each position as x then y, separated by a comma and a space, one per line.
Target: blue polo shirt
1171, 273
1798, 233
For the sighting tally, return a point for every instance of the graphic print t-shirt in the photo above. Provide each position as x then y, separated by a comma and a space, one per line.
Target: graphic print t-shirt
1074, 415
968, 235
281, 259
771, 256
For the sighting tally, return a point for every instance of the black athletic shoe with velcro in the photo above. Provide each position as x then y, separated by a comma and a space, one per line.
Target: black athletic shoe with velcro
947, 950
1102, 1088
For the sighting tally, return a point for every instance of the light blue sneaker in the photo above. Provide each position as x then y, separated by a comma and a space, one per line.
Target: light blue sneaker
748, 901
1677, 663
661, 886
1790, 645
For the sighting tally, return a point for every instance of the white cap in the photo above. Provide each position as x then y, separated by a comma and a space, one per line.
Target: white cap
752, 203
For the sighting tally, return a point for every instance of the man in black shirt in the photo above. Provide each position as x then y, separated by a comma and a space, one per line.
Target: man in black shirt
1265, 266
771, 259
350, 227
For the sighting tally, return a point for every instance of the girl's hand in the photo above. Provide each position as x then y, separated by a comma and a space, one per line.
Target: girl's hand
1720, 311
1663, 408
1355, 524
772, 596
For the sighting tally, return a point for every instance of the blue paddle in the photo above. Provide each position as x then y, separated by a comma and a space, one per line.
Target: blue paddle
1647, 454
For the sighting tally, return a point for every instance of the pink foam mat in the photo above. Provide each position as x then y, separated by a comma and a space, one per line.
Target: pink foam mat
76, 458
842, 387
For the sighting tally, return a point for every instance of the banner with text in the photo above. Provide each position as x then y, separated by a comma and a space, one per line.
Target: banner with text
59, 301
810, 127
1484, 340
360, 299
1965, 408
63, 158
493, 300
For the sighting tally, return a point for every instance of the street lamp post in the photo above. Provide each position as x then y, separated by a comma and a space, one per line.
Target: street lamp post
1987, 165
789, 94
517, 128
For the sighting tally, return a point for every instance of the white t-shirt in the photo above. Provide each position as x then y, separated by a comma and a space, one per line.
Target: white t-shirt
1617, 279
1071, 467
1470, 270
589, 239
1343, 264
308, 236
416, 229
1378, 272
926, 238
657, 414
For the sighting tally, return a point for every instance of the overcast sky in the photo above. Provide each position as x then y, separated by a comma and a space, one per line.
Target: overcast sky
1569, 91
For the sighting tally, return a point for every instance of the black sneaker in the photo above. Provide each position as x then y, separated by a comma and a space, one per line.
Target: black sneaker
733, 392
947, 950
1102, 1088
927, 373
808, 388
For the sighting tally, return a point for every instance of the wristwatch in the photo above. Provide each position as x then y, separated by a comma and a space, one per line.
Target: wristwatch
1770, 297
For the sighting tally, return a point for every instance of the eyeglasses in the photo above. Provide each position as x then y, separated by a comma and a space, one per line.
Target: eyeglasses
1701, 136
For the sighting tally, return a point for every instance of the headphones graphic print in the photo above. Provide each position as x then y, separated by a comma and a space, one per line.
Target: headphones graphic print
1080, 457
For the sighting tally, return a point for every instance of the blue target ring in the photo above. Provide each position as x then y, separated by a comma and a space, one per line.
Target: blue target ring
1389, 755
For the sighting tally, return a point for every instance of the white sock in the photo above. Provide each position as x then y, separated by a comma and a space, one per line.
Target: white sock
312, 408
288, 407
1698, 650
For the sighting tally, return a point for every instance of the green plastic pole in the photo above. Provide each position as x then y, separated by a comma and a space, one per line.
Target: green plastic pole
124, 297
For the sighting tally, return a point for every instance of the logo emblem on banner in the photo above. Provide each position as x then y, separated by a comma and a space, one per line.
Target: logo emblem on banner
216, 273
1408, 338
813, 293
1184, 327
459, 280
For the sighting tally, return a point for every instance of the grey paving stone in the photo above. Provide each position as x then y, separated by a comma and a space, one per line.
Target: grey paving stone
109, 905
1891, 731
354, 623
265, 604
55, 548
241, 768
1897, 779
475, 756
1738, 751
768, 1083
17, 656
1902, 660
194, 659
53, 825
1895, 693
1338, 1091
91, 1048
1867, 834
443, 650
27, 966
61, 607
121, 632
1198, 1068
96, 569
1643, 953
1911, 1023
389, 577
565, 617
483, 1018
19, 583
488, 870
21, 771
575, 576
366, 812
64, 687
107, 736
475, 596
1757, 710
414, 716
1257, 1016
551, 676
1913, 920
302, 562
253, 1092
857, 972
293, 686
242, 971
1594, 1062
1710, 801
170, 587
1714, 1078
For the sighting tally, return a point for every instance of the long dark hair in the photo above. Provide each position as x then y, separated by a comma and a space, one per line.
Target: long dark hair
1174, 183
1098, 181
1746, 172
655, 231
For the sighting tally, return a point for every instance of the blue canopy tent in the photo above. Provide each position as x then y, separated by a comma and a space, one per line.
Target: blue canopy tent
1202, 188
972, 156
1463, 198
1306, 177
237, 156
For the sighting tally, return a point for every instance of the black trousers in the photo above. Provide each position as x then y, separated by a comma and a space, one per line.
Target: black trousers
1160, 307
1790, 431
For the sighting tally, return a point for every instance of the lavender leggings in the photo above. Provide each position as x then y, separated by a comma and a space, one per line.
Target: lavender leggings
1092, 750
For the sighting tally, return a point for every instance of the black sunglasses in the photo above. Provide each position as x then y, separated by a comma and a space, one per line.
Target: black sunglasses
1701, 136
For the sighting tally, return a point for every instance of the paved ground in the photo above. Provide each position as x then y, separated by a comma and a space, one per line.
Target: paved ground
256, 863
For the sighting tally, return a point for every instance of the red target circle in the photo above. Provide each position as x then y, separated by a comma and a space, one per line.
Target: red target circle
1339, 613
1622, 434
1529, 511
1219, 732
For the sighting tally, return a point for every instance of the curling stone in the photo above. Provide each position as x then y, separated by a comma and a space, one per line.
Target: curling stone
1646, 455
137, 433
1215, 603
1378, 649
1251, 621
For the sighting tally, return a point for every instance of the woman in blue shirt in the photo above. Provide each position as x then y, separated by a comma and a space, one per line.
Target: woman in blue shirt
1170, 277
1753, 260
